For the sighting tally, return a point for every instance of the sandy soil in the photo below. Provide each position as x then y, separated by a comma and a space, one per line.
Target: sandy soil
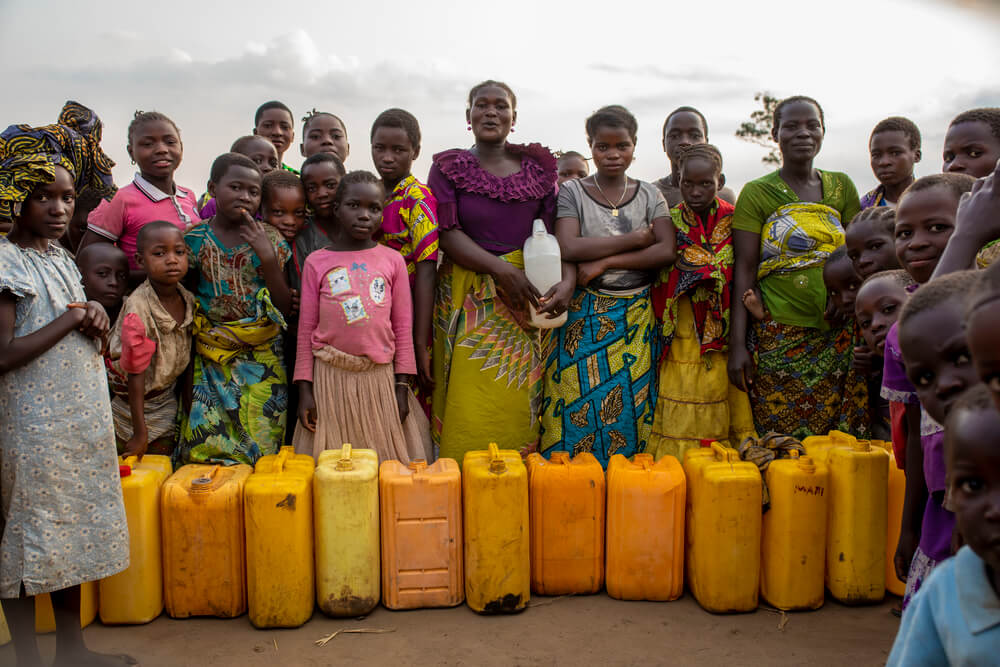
591, 630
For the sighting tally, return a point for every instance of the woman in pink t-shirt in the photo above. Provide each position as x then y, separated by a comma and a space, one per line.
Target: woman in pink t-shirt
355, 342
154, 144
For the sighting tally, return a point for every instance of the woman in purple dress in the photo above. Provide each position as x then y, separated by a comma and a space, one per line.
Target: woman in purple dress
487, 356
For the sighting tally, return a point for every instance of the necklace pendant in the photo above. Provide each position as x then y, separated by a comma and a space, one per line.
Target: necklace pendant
614, 212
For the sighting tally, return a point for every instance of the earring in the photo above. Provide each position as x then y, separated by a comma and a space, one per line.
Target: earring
133, 160
469, 128
512, 127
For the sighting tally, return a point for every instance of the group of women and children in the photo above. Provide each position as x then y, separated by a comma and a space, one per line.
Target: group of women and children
321, 306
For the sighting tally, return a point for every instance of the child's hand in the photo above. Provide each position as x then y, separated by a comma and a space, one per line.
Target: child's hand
307, 410
862, 362
253, 232
904, 554
425, 376
94, 321
402, 402
979, 210
587, 271
295, 301
137, 444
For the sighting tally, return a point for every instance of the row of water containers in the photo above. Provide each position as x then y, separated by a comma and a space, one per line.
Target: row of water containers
345, 533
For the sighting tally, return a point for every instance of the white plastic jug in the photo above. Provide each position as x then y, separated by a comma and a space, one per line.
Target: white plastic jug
543, 267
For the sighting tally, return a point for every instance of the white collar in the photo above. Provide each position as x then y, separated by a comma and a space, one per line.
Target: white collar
153, 192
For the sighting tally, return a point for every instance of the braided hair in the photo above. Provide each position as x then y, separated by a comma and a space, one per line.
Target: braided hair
703, 151
882, 219
142, 117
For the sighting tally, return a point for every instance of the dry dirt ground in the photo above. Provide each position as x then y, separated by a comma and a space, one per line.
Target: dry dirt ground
586, 630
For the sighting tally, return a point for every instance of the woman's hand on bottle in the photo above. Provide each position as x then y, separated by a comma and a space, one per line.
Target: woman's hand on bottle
512, 282
554, 302
740, 368
587, 271
92, 319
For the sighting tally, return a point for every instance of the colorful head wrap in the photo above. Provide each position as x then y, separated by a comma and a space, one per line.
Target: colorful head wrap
29, 155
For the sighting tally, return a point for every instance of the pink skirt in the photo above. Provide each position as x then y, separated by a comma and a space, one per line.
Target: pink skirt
356, 404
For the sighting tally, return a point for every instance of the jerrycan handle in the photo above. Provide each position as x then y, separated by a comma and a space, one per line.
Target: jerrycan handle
644, 460
559, 458
131, 461
203, 483
284, 454
418, 465
497, 464
724, 454
345, 462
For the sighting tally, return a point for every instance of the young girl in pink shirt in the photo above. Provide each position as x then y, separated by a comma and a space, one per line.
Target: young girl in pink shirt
154, 144
355, 342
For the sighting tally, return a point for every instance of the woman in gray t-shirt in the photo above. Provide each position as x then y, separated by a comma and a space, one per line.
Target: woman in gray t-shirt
600, 378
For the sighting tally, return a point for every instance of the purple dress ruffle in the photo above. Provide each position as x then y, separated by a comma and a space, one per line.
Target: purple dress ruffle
497, 213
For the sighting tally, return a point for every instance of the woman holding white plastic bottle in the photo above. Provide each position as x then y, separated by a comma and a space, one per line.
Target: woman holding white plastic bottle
487, 356
600, 376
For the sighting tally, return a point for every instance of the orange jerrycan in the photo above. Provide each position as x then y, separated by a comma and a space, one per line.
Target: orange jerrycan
421, 510
278, 507
723, 525
497, 557
857, 525
645, 528
204, 551
793, 534
566, 501
345, 492
45, 620
136, 595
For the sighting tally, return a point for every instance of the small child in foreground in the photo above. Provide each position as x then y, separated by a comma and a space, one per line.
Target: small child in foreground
870, 241
105, 272
150, 346
955, 618
938, 365
355, 356
877, 308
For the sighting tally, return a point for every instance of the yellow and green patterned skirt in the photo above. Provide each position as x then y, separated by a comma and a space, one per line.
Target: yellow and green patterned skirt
600, 379
487, 366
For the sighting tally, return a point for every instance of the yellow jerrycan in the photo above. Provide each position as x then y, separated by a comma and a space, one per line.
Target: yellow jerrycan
45, 619
345, 496
566, 500
497, 557
645, 528
723, 526
136, 595
894, 518
421, 514
278, 508
857, 524
819, 446
793, 534
204, 550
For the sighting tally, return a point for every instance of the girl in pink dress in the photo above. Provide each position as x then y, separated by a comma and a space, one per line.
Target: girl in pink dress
355, 354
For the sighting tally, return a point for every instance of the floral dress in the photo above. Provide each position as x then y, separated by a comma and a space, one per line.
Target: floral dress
62, 516
240, 390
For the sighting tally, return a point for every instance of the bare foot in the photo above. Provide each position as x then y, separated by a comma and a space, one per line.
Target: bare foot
753, 304
84, 658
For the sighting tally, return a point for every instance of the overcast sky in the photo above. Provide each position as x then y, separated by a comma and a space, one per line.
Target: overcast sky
209, 64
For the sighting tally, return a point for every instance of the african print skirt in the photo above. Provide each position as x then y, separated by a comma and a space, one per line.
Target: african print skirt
239, 400
804, 384
600, 376
696, 400
487, 365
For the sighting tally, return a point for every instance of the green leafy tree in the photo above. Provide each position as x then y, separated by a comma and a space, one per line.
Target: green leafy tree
757, 130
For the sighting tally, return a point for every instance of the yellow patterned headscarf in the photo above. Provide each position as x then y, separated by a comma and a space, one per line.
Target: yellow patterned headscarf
29, 156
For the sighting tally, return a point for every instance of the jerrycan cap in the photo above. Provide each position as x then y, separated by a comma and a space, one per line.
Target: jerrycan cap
345, 462
861, 445
706, 442
497, 464
202, 483
538, 228
124, 470
559, 458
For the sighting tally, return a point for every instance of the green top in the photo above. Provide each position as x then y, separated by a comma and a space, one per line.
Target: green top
796, 297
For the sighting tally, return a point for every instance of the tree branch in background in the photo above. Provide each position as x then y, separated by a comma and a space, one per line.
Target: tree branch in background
758, 129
